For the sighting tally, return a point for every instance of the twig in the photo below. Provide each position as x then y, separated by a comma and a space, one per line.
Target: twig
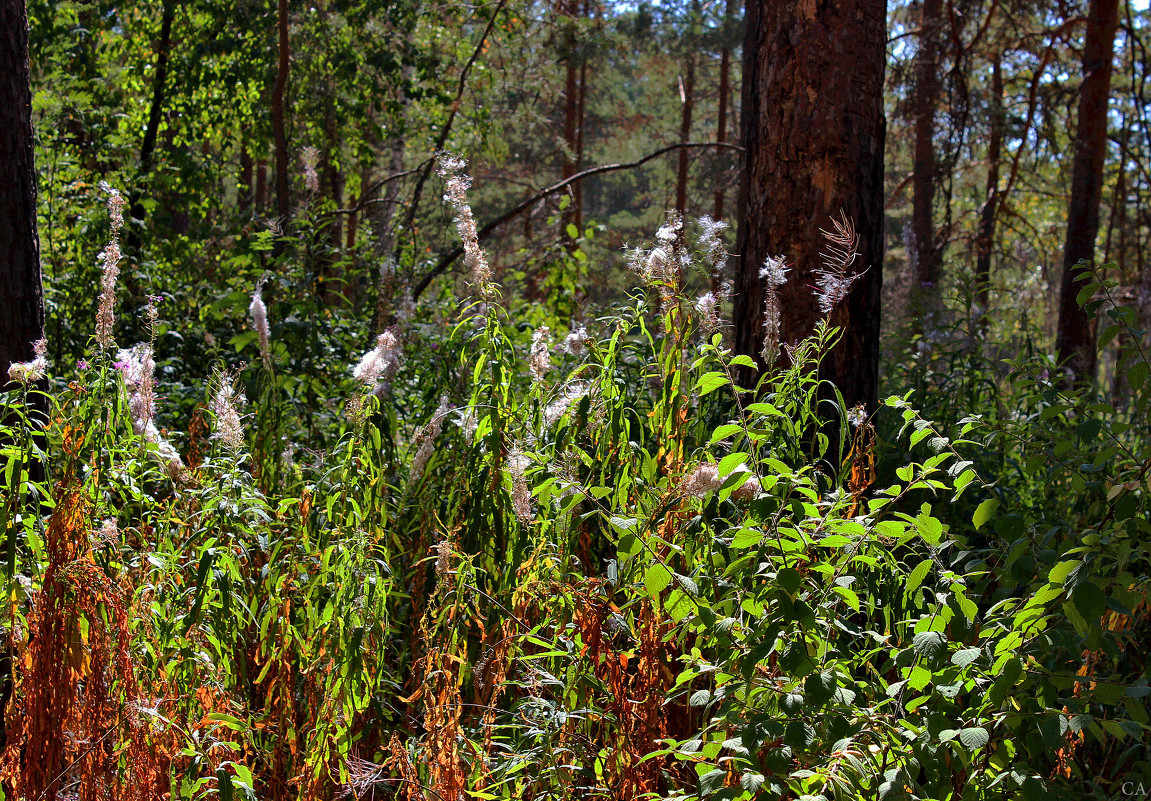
448, 258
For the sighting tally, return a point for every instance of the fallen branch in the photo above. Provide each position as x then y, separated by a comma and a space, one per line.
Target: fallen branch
450, 257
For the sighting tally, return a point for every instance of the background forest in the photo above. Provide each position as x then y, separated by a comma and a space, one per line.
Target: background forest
449, 401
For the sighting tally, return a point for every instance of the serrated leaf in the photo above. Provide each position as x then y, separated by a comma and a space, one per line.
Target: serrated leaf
742, 360
699, 698
929, 643
746, 538
920, 677
965, 657
974, 737
656, 578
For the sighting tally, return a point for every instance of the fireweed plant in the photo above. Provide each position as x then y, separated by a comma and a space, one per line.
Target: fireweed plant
573, 559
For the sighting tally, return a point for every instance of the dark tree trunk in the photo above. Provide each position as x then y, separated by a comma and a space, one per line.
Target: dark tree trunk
813, 133
573, 215
21, 291
244, 190
151, 132
985, 239
1075, 335
724, 98
283, 199
923, 175
261, 186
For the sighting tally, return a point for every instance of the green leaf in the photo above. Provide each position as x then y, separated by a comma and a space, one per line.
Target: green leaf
656, 578
742, 360
974, 737
723, 432
710, 382
984, 511
920, 677
965, 657
1061, 571
746, 538
789, 580
848, 595
930, 643
699, 698
918, 575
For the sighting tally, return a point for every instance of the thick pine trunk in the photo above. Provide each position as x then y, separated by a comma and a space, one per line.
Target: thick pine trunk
813, 132
21, 291
1075, 335
923, 176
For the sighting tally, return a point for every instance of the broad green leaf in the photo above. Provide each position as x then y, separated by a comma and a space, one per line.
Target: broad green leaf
710, 382
656, 578
984, 512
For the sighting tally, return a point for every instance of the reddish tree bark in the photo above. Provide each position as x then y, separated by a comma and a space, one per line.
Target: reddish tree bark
283, 199
21, 290
724, 99
1075, 335
813, 133
923, 171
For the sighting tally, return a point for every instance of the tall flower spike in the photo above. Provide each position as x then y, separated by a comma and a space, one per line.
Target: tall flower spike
259, 314
226, 402
832, 283
774, 275
457, 184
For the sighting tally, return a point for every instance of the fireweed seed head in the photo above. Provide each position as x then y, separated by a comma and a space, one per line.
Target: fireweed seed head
259, 314
857, 415
707, 306
456, 184
774, 271
570, 394
540, 360
576, 342
106, 305
518, 464
225, 406
711, 243
379, 365
771, 326
309, 160
700, 481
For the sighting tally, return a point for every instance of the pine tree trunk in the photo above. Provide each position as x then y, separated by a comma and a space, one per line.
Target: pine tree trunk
1075, 335
813, 133
21, 290
985, 239
923, 176
283, 199
724, 99
685, 136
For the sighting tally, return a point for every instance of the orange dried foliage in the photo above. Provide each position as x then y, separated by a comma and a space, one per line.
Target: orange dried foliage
75, 711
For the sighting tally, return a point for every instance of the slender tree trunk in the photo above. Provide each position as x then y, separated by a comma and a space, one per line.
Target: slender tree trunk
571, 109
1075, 335
926, 259
577, 187
688, 88
244, 190
724, 99
261, 186
283, 199
985, 239
151, 131
813, 133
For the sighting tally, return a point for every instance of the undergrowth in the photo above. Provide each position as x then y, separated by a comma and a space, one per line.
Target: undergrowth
534, 557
